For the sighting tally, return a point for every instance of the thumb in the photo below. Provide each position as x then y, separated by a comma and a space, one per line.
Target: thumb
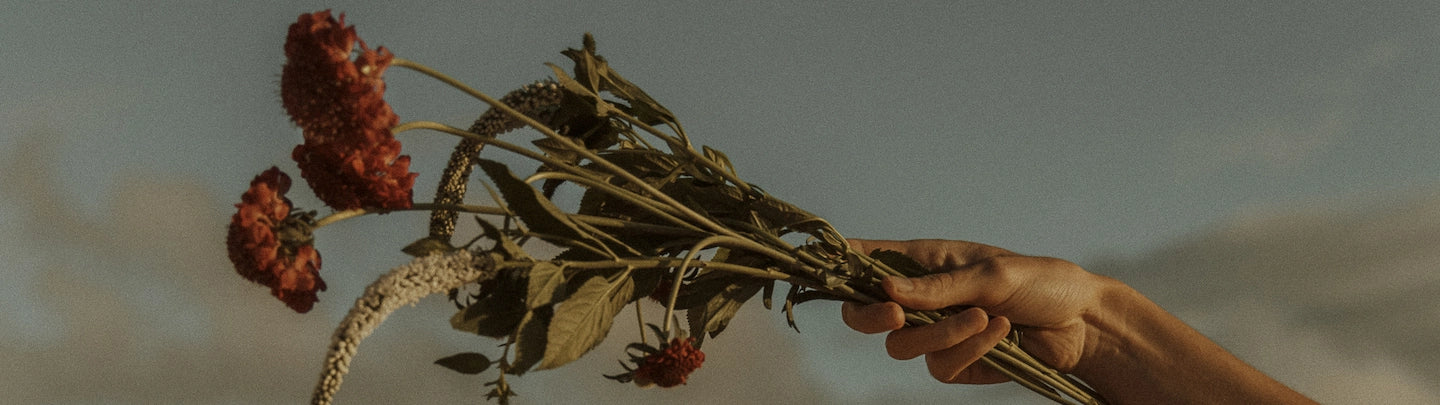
933, 291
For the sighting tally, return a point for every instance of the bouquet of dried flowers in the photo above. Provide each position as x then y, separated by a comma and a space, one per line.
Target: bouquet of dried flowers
657, 218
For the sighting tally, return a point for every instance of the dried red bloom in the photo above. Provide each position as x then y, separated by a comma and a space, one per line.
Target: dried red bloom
350, 157
271, 246
346, 178
671, 365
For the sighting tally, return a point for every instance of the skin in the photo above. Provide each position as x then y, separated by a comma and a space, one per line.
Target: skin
1094, 327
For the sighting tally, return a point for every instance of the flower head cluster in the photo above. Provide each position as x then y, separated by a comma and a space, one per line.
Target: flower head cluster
350, 157
667, 366
271, 246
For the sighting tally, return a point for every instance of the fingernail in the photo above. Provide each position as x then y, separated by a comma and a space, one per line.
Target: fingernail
902, 284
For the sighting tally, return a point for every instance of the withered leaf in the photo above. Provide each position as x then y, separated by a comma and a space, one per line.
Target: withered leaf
466, 363
546, 283
503, 243
900, 262
556, 149
715, 315
537, 211
426, 246
768, 292
592, 71
790, 307
584, 318
494, 316
719, 159
530, 340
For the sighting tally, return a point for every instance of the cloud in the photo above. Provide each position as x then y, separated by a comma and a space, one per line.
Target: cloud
1290, 129
1335, 299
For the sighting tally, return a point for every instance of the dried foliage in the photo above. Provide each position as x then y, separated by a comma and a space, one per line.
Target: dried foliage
656, 218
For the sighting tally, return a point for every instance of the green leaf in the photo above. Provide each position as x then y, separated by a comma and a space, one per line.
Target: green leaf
546, 283
583, 319
900, 262
427, 246
538, 212
530, 340
466, 363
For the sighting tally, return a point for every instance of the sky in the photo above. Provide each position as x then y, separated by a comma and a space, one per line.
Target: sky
1268, 172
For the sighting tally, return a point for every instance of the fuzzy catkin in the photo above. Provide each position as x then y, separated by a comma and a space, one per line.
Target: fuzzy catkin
539, 100
404, 285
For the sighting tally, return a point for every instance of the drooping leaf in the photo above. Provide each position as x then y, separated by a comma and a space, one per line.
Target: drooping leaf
503, 243
715, 315
767, 293
530, 340
537, 211
790, 307
584, 318
799, 296
466, 363
496, 315
704, 287
546, 283
900, 262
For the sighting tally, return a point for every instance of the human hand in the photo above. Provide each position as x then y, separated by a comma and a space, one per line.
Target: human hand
1048, 299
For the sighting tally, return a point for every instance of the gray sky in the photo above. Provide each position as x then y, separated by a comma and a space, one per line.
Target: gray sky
1266, 171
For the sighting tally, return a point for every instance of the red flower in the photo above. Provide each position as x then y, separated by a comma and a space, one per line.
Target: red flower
350, 157
271, 246
670, 365
346, 178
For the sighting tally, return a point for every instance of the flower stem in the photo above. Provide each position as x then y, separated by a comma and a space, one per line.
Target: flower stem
550, 133
355, 213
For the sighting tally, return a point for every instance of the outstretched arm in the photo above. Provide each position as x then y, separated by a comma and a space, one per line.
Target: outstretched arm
1097, 328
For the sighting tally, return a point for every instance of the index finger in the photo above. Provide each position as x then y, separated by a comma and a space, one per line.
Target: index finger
938, 255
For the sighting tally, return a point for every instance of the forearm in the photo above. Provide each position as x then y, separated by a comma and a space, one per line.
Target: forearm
1137, 353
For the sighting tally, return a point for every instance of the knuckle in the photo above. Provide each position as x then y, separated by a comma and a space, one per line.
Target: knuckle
998, 270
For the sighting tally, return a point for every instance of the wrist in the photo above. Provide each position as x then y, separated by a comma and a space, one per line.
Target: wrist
1136, 352
1125, 345
1113, 331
